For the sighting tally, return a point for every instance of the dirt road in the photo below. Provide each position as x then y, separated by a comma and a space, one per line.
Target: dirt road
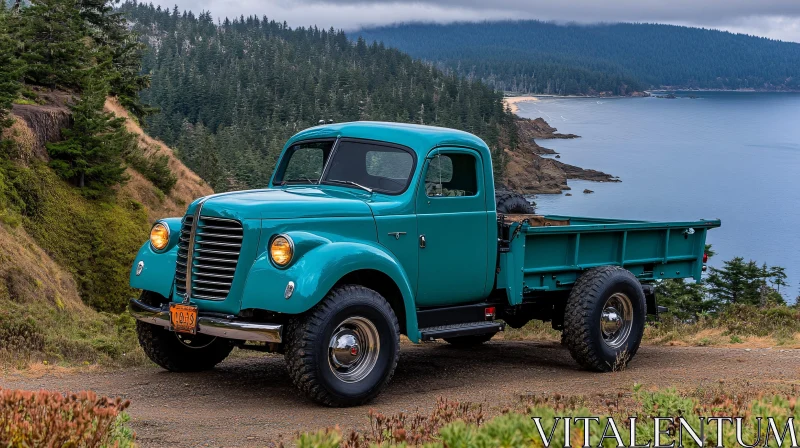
250, 401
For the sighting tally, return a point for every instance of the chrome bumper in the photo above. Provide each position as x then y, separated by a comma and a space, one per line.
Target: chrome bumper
212, 326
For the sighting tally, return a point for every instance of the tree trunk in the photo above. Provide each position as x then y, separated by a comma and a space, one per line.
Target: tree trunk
81, 181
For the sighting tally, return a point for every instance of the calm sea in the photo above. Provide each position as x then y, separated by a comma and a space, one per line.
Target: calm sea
727, 155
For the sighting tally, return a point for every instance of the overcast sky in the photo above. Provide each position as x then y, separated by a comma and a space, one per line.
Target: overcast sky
778, 19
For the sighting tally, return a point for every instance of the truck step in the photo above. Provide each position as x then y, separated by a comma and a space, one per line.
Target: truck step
467, 329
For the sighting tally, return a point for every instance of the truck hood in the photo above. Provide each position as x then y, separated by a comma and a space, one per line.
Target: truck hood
296, 202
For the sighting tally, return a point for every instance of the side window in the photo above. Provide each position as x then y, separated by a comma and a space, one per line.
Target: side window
451, 175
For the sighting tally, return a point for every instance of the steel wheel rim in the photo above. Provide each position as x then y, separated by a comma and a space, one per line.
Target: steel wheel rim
616, 320
353, 349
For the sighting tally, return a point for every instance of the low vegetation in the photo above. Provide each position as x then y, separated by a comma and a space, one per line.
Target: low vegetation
52, 419
735, 325
453, 424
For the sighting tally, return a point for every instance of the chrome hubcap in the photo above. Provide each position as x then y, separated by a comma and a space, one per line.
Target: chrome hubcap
353, 349
616, 320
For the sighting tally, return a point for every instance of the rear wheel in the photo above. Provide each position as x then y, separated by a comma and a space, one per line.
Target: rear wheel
470, 341
179, 352
604, 318
344, 351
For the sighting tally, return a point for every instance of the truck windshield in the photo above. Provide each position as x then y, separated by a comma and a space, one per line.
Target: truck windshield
371, 165
304, 162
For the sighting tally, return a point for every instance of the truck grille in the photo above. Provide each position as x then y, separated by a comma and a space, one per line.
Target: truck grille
217, 244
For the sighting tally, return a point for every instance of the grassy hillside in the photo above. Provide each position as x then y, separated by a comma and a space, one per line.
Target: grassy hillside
542, 57
64, 256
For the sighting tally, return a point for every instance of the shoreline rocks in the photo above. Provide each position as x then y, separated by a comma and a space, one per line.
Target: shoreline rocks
527, 172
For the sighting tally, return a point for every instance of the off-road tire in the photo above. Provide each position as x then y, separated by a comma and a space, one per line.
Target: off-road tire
470, 341
582, 331
308, 337
165, 349
509, 203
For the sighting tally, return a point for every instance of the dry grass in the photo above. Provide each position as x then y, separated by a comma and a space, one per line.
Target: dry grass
43, 320
188, 188
534, 330
741, 327
28, 273
23, 140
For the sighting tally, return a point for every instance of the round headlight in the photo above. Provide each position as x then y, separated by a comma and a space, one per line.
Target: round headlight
281, 250
159, 236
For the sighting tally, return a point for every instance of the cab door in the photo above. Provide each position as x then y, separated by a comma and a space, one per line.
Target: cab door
452, 227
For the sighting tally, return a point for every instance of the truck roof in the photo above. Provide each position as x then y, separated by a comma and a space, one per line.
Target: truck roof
420, 138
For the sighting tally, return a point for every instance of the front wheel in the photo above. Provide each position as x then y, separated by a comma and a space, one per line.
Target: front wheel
604, 318
344, 351
178, 352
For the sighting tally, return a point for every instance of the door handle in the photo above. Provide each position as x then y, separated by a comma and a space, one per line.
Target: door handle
397, 235
422, 241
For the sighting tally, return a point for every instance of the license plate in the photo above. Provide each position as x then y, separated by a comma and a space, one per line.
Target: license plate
184, 318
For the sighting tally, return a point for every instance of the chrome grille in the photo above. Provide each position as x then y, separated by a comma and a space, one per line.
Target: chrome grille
217, 243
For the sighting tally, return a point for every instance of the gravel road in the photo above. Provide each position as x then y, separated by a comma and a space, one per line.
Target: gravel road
249, 401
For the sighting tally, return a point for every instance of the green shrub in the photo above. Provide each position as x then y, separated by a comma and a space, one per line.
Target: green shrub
748, 320
154, 168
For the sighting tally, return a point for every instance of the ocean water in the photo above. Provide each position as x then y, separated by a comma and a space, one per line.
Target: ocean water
728, 155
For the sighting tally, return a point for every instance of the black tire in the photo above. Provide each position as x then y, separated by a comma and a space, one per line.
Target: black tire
509, 203
470, 341
179, 353
309, 358
583, 334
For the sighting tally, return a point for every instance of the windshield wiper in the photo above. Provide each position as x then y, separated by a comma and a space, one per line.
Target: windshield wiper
350, 182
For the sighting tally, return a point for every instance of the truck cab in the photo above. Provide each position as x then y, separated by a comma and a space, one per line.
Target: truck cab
371, 230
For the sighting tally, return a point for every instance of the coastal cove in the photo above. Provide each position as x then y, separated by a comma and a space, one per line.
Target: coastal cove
728, 155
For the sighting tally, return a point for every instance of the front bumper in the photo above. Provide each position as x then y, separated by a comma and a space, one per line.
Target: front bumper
212, 326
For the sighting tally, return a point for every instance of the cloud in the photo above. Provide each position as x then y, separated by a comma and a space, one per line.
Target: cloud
778, 19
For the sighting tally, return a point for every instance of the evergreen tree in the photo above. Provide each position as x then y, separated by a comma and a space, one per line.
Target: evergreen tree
10, 69
91, 153
53, 44
740, 282
108, 30
251, 83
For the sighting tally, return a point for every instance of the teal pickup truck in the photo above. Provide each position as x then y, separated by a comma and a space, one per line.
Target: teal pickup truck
372, 230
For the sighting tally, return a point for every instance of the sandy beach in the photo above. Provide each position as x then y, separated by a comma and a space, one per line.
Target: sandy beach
511, 101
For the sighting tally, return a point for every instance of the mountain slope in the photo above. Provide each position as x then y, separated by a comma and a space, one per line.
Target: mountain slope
542, 57
231, 94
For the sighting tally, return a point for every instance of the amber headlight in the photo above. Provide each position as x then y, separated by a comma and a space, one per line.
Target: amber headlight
281, 250
159, 236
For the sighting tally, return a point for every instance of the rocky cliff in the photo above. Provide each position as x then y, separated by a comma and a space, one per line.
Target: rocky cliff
527, 172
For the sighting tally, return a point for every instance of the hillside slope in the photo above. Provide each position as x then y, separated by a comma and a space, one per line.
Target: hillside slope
542, 57
232, 93
62, 255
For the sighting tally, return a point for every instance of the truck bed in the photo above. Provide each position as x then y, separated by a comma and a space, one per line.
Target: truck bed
548, 253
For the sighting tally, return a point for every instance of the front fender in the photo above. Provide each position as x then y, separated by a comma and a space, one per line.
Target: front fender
316, 271
158, 268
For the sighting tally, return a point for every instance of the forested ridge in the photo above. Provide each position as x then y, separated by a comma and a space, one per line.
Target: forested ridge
231, 93
542, 57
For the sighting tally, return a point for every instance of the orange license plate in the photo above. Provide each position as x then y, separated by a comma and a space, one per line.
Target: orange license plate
184, 317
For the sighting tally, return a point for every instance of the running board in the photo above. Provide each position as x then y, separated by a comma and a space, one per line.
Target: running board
456, 330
